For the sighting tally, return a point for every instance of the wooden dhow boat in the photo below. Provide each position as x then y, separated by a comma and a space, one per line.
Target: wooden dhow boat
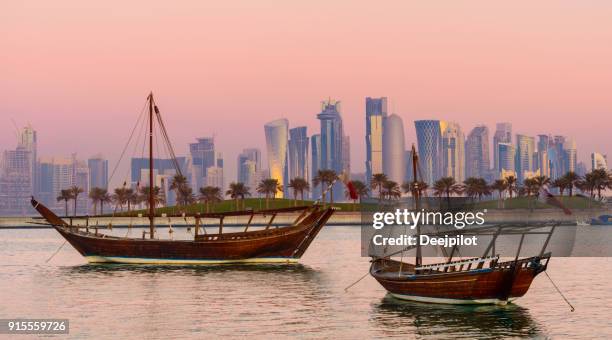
480, 280
284, 244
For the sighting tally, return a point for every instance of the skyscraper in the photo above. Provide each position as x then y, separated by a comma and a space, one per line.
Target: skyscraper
393, 148
376, 111
543, 162
503, 134
570, 155
505, 159
477, 152
598, 161
277, 133
16, 181
453, 152
98, 172
203, 156
429, 139
332, 136
525, 146
346, 156
249, 162
298, 153
315, 153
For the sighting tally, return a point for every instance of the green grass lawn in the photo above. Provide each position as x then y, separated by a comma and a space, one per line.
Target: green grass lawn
531, 202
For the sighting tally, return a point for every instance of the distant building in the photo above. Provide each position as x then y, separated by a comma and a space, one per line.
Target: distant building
203, 156
542, 160
249, 162
453, 152
98, 172
599, 161
477, 152
277, 133
214, 177
161, 166
315, 164
332, 137
16, 183
505, 159
298, 153
525, 147
503, 134
376, 111
429, 138
409, 173
393, 148
346, 156
570, 155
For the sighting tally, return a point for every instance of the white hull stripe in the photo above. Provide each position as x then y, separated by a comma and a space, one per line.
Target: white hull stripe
138, 260
451, 301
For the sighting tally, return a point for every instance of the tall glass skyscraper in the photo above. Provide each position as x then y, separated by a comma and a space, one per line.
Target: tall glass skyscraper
332, 136
525, 146
477, 152
298, 153
376, 111
453, 152
249, 162
505, 159
393, 148
98, 172
429, 139
202, 157
503, 134
315, 153
277, 133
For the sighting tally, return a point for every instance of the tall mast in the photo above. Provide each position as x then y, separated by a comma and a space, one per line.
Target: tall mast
151, 187
416, 194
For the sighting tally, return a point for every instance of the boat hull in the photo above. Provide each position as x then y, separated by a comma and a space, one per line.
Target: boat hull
478, 286
273, 245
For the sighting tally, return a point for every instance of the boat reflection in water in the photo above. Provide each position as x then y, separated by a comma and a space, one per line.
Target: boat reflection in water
400, 317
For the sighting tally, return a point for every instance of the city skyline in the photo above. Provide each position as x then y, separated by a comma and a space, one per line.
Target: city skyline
232, 71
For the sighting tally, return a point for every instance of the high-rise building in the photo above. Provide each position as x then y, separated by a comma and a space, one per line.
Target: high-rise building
277, 133
16, 183
542, 159
477, 152
429, 139
214, 177
203, 156
346, 156
332, 136
570, 155
409, 173
98, 172
525, 146
249, 162
315, 164
29, 141
80, 178
453, 152
393, 148
503, 134
162, 166
298, 153
376, 111
599, 161
505, 159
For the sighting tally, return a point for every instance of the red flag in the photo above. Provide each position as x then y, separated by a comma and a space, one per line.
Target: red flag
351, 190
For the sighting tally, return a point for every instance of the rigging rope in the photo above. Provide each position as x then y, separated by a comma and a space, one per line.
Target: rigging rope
560, 293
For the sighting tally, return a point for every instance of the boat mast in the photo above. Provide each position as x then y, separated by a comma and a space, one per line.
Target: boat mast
416, 194
151, 200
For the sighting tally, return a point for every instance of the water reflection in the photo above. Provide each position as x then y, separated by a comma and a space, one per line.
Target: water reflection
451, 321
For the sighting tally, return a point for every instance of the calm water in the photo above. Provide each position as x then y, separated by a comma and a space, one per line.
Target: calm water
306, 300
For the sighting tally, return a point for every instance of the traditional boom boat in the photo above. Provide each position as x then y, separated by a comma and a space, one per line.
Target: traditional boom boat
270, 245
480, 280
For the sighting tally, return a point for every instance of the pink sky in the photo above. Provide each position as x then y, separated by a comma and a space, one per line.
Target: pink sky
80, 71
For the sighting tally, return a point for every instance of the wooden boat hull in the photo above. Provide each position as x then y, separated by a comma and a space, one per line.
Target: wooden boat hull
275, 245
478, 286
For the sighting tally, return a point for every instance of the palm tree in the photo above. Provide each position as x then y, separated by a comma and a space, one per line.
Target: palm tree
131, 197
419, 188
391, 190
330, 178
511, 185
601, 180
158, 196
95, 194
325, 178
360, 188
571, 178
476, 187
269, 186
75, 190
210, 194
120, 197
299, 185
500, 185
237, 191
448, 187
541, 181
561, 183
377, 182
65, 195
530, 186
104, 198
181, 188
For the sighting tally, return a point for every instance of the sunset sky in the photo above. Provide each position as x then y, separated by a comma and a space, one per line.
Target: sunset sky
79, 71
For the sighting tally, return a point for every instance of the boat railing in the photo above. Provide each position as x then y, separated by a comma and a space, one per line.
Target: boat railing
463, 265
